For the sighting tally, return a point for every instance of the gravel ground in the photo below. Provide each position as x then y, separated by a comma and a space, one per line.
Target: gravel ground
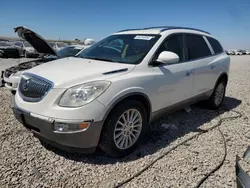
25, 162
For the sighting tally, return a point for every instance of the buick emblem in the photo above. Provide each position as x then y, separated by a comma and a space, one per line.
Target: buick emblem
25, 85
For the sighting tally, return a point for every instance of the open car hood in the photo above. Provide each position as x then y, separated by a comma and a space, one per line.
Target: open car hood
38, 42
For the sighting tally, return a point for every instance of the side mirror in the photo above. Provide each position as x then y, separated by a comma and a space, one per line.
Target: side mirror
168, 57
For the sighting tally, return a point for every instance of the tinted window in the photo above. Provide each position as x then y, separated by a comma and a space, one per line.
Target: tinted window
174, 44
197, 47
215, 45
18, 44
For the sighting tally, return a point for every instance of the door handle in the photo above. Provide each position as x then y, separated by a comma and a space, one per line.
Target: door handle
188, 73
212, 67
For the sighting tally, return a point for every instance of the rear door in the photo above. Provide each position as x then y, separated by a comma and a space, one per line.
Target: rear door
199, 52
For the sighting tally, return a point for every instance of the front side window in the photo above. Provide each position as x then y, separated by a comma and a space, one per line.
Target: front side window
197, 47
215, 45
52, 44
130, 48
174, 44
26, 44
18, 44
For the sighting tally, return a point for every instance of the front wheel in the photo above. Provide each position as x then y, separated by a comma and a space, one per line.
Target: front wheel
25, 54
124, 128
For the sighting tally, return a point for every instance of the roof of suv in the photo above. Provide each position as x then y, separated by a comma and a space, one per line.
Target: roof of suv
158, 30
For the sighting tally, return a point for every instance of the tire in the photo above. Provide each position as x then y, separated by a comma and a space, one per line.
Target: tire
218, 95
25, 54
116, 147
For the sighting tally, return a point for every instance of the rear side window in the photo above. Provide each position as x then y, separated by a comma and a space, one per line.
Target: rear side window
215, 45
197, 47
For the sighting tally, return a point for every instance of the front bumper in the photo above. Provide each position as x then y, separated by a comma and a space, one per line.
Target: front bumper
84, 141
32, 54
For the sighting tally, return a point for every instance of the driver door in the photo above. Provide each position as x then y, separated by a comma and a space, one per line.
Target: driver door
174, 83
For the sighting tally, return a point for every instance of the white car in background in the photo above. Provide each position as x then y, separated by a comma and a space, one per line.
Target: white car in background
247, 52
11, 76
57, 45
109, 93
238, 52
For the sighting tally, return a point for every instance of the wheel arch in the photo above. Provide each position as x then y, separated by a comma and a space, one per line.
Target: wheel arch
138, 96
223, 76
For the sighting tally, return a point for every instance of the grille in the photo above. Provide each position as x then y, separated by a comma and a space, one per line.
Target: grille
33, 88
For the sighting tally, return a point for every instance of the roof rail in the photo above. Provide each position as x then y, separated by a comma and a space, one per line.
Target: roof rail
128, 30
177, 27
164, 28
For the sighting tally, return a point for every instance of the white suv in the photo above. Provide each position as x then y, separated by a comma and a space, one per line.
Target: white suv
108, 94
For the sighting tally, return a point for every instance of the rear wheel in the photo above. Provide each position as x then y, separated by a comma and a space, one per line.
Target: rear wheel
217, 98
124, 128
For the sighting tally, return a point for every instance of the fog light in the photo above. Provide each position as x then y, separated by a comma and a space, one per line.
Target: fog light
61, 127
70, 127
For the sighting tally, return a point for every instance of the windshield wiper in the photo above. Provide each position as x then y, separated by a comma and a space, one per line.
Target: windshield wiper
101, 59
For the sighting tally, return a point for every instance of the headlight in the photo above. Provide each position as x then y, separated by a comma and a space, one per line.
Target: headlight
19, 73
83, 94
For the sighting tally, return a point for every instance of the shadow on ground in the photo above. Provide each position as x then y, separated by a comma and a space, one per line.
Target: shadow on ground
158, 137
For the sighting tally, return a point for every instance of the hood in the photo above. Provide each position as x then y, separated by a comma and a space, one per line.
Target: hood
68, 72
29, 48
39, 43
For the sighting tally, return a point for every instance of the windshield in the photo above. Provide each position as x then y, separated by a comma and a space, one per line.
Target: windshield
130, 49
60, 45
26, 44
68, 51
4, 44
51, 44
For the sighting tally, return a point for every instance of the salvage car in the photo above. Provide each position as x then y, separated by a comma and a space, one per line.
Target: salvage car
9, 50
110, 92
11, 76
26, 49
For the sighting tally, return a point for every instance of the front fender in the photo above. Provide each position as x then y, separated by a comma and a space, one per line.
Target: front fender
110, 102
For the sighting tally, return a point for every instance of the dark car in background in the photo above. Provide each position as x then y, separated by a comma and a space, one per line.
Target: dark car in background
8, 50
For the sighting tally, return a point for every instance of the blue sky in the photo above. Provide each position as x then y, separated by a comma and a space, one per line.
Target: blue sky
228, 20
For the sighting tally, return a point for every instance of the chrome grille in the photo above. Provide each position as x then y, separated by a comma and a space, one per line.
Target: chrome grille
33, 88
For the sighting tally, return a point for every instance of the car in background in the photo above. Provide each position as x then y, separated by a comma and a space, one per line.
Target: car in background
229, 52
245, 52
57, 45
8, 50
26, 49
11, 76
238, 52
1, 53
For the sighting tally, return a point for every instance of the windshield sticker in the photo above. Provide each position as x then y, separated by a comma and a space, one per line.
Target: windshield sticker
142, 37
